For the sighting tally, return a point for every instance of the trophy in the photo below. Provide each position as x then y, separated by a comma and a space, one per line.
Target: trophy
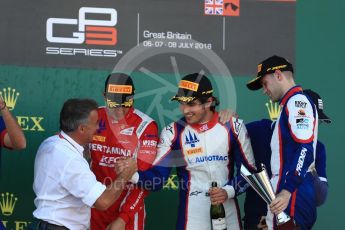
261, 183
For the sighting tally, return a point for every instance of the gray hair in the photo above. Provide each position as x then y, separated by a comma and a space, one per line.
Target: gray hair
75, 112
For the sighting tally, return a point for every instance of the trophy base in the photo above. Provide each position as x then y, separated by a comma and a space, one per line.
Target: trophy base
282, 218
290, 225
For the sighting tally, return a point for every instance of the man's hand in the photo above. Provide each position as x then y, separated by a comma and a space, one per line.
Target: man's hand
120, 165
262, 224
280, 203
117, 224
125, 168
218, 195
14, 138
2, 103
225, 115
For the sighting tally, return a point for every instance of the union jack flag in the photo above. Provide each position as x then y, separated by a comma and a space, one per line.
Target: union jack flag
213, 7
222, 7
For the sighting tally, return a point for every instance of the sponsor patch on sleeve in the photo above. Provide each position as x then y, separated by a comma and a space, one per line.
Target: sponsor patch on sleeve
301, 118
170, 129
237, 125
301, 104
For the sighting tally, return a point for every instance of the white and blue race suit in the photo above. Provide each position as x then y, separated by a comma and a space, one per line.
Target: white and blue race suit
202, 153
293, 146
260, 133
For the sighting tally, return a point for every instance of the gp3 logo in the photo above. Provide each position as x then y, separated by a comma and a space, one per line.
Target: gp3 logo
90, 31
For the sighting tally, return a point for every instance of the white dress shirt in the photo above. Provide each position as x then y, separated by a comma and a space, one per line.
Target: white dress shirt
64, 185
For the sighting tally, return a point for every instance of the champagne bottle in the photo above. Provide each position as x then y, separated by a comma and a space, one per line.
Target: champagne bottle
217, 213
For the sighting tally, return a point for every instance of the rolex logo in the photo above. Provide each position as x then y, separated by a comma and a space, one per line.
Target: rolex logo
273, 110
7, 203
10, 96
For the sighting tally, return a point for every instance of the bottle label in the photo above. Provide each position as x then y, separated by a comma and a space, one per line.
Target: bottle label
218, 224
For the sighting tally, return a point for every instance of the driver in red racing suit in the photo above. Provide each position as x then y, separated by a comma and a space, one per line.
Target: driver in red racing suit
123, 132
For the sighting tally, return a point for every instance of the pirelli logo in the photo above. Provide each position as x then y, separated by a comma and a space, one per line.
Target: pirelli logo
123, 89
194, 151
189, 85
98, 138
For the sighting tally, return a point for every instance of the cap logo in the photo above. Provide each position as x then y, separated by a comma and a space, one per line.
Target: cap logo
189, 85
207, 92
276, 67
121, 89
184, 99
259, 68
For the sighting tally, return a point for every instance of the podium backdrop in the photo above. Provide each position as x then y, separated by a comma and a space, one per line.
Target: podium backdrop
50, 52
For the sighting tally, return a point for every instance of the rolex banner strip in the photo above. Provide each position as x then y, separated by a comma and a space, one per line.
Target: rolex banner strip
260, 182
